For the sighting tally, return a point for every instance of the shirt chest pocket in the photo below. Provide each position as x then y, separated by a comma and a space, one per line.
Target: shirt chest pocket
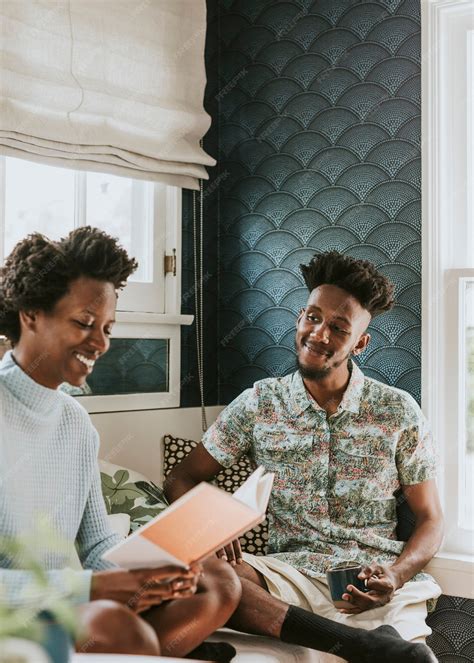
361, 466
280, 449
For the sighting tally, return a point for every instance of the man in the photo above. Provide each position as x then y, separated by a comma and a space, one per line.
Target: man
340, 445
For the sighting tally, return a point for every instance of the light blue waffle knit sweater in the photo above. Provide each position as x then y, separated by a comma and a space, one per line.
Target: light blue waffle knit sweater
48, 466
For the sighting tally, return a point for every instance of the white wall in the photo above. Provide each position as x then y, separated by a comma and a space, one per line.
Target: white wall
134, 439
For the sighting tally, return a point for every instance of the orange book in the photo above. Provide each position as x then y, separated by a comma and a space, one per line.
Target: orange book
200, 522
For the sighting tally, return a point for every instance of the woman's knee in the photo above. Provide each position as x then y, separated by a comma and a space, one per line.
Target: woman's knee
221, 581
111, 627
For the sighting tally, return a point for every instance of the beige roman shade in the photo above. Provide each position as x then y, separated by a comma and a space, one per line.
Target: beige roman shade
113, 86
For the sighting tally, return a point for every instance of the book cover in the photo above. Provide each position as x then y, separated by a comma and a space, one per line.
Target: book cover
197, 524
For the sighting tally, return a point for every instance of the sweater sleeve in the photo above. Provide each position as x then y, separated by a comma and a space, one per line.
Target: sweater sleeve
95, 535
18, 588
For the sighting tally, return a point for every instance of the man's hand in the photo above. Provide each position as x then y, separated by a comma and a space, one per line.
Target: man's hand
381, 581
141, 589
232, 553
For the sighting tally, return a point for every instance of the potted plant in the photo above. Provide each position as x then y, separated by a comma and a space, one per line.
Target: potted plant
40, 624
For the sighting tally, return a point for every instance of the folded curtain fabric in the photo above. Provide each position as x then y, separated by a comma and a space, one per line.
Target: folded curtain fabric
106, 85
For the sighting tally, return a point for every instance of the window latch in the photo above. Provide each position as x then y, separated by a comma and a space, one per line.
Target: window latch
170, 263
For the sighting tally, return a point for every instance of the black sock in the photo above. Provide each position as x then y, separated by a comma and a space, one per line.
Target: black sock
301, 627
221, 652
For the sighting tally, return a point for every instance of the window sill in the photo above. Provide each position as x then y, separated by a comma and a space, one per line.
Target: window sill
154, 318
454, 573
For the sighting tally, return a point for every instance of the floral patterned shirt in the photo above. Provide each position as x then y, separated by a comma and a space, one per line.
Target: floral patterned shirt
335, 477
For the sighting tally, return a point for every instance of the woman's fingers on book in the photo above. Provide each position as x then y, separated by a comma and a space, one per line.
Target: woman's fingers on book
229, 551
165, 573
164, 592
237, 551
234, 552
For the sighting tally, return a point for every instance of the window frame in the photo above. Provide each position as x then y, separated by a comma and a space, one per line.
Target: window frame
133, 317
446, 234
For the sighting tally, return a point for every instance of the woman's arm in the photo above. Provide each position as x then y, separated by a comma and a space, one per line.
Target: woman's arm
95, 535
19, 588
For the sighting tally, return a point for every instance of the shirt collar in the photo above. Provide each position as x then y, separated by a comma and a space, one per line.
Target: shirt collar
353, 394
350, 401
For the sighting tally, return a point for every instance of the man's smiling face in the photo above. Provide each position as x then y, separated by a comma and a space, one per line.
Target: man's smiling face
331, 328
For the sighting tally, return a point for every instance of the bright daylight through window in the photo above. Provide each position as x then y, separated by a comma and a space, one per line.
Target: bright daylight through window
60, 199
142, 368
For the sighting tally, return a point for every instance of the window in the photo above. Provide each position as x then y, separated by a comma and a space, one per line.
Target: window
448, 257
466, 403
146, 217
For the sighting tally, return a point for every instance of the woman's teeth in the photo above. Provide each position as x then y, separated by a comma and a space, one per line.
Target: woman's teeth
88, 362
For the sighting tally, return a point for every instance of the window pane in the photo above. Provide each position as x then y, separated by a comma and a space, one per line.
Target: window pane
122, 207
468, 496
470, 149
131, 366
37, 199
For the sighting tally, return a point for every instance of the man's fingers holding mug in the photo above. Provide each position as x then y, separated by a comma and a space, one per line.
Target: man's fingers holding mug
373, 570
360, 601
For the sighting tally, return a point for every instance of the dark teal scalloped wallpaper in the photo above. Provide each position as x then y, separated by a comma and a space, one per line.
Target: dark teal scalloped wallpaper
131, 366
319, 134
316, 126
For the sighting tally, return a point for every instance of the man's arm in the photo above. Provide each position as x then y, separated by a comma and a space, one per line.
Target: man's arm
383, 581
424, 543
197, 466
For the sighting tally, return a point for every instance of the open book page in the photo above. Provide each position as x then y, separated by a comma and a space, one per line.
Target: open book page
196, 525
255, 491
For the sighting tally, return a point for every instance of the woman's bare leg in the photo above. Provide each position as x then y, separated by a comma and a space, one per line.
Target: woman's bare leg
183, 624
108, 627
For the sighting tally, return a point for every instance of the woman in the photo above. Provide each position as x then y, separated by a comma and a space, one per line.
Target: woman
57, 308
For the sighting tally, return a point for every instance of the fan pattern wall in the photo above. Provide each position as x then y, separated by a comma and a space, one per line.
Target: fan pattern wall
319, 139
316, 123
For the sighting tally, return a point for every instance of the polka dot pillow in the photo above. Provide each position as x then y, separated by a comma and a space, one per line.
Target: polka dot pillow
229, 479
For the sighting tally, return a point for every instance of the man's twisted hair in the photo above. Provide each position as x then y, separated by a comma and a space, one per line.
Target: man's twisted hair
360, 278
38, 271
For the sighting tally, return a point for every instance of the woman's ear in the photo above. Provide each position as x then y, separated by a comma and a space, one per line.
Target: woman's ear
28, 319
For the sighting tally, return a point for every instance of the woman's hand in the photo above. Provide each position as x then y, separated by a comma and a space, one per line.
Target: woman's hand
232, 553
141, 589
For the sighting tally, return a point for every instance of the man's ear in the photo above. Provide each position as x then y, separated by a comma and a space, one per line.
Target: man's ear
361, 344
28, 320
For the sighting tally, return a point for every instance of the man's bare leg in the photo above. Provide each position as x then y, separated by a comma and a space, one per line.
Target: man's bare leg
249, 617
184, 624
260, 613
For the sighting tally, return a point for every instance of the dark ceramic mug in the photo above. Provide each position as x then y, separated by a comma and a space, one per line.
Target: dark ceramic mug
339, 577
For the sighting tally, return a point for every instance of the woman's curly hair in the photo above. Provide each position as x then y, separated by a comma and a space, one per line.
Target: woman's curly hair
38, 272
360, 278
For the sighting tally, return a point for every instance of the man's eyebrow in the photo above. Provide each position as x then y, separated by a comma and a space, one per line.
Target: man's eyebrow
336, 317
340, 317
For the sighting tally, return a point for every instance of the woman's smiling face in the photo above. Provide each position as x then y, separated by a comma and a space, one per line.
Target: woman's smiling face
62, 345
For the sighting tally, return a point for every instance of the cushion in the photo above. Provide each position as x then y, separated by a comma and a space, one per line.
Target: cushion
175, 449
119, 523
129, 492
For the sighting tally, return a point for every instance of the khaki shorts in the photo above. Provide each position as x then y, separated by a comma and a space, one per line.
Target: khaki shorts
406, 611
